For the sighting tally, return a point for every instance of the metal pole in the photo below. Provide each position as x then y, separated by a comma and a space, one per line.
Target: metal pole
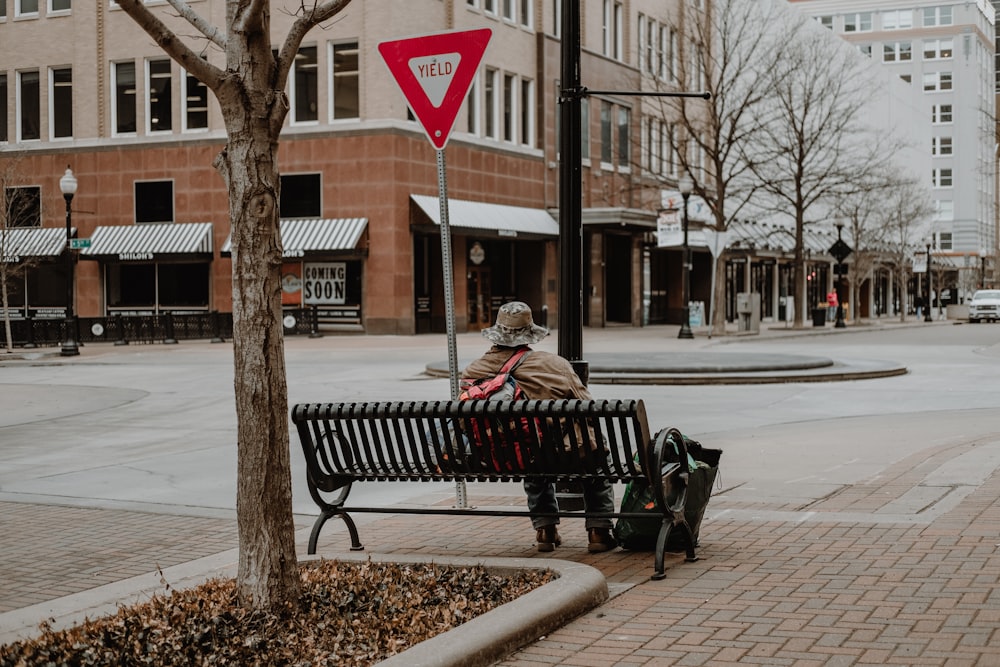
570, 204
840, 324
461, 495
69, 346
685, 331
927, 314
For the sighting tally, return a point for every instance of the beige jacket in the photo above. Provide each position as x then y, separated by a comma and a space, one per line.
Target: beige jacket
541, 374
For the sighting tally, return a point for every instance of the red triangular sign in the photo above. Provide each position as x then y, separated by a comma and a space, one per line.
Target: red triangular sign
435, 73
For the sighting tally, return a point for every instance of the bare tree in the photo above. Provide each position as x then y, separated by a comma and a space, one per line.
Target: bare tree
907, 212
15, 207
727, 52
817, 146
250, 89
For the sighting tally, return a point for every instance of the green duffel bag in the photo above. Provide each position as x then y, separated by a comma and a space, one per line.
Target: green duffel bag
640, 534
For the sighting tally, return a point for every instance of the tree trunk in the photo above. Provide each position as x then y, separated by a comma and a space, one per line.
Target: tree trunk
268, 570
718, 305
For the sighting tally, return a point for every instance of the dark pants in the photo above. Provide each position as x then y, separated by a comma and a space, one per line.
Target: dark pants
598, 496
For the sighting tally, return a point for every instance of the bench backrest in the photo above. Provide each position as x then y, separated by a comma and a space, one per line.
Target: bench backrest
413, 440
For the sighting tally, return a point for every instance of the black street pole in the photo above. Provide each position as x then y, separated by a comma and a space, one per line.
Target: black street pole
685, 331
840, 285
70, 348
927, 313
570, 194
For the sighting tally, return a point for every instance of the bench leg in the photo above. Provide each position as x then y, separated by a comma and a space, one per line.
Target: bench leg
348, 521
661, 546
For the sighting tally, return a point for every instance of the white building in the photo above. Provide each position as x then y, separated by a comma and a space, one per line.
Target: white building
945, 52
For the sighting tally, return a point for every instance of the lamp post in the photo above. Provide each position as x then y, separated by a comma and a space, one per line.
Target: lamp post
982, 268
927, 312
70, 347
685, 186
839, 324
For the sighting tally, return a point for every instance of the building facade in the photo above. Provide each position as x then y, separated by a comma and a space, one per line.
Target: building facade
85, 87
946, 52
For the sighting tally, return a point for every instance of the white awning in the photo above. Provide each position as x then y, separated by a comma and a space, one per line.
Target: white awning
497, 218
18, 243
146, 242
299, 236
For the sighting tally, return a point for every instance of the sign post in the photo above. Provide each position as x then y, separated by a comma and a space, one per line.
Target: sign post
434, 73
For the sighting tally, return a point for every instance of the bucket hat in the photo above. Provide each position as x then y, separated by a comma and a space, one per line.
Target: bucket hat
515, 326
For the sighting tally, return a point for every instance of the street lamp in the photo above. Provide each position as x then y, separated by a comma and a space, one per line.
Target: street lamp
927, 312
685, 186
982, 268
70, 347
840, 282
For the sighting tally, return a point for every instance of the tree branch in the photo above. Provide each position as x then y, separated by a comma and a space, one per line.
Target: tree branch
204, 27
164, 37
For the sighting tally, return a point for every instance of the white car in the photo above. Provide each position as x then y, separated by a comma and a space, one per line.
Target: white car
985, 305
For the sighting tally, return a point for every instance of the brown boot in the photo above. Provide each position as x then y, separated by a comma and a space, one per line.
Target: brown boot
548, 538
600, 539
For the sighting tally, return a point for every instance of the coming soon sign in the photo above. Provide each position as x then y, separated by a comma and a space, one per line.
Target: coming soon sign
324, 283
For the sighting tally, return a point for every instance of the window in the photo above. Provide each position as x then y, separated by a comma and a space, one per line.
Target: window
941, 114
124, 106
28, 106
611, 29
527, 106
662, 51
943, 241
897, 52
24, 206
25, 7
346, 102
301, 196
825, 21
934, 16
491, 102
490, 6
865, 49
860, 22
59, 6
936, 81
606, 131
940, 146
508, 9
472, 108
195, 96
648, 46
526, 13
585, 129
908, 78
624, 136
672, 56
557, 18
304, 80
938, 49
897, 20
509, 106
3, 10
159, 104
941, 178
669, 157
154, 201
61, 102
3, 107
944, 209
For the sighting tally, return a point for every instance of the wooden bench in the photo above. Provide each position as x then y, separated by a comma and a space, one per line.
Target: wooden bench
346, 443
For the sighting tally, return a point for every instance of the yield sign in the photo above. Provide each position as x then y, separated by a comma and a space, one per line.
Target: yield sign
435, 73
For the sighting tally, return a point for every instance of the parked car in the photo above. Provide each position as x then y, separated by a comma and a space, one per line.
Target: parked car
985, 305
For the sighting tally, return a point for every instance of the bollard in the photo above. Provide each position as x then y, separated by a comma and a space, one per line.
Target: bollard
29, 333
216, 328
168, 333
314, 325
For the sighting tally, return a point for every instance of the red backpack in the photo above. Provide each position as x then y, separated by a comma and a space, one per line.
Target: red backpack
496, 434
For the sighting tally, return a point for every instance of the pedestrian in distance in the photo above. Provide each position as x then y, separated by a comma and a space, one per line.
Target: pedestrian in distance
831, 305
543, 375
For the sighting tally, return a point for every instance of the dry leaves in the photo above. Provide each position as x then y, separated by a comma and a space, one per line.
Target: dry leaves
349, 615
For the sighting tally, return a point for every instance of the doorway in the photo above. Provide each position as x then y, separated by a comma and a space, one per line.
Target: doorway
480, 297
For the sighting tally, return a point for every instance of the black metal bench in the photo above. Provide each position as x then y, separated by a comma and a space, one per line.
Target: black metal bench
346, 443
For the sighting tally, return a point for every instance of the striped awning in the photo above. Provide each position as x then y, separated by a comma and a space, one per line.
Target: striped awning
315, 235
19, 243
147, 242
499, 219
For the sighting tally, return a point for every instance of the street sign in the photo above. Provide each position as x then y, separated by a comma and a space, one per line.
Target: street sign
77, 244
434, 73
840, 250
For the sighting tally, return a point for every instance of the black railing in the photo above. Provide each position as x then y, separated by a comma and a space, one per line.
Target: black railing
123, 329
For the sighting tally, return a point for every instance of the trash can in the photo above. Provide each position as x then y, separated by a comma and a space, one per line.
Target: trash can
819, 317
